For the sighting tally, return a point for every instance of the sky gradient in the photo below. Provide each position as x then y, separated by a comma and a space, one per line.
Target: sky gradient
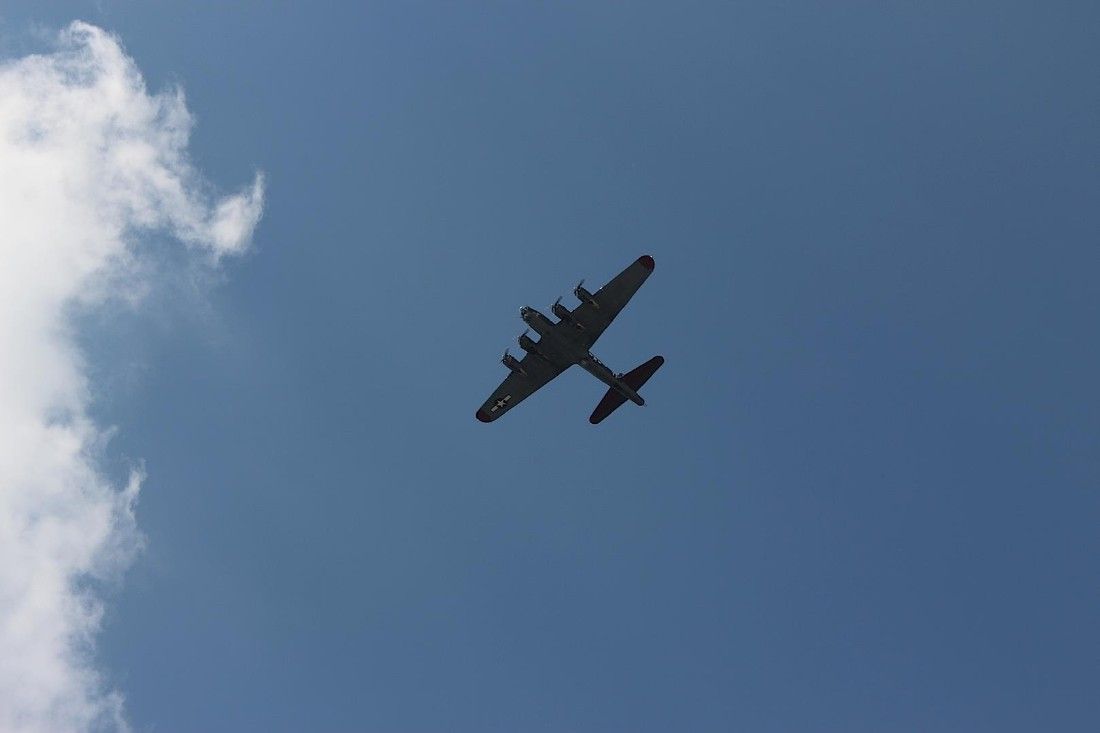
862, 494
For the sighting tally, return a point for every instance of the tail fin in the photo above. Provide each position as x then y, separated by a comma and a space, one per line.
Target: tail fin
635, 378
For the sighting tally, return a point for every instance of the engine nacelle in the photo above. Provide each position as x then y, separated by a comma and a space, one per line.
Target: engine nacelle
567, 316
585, 297
513, 363
528, 344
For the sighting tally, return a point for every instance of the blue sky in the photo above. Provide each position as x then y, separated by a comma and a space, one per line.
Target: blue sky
863, 493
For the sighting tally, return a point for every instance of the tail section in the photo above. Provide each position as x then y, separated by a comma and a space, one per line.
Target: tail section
635, 378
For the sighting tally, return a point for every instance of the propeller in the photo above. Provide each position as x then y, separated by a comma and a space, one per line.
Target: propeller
513, 363
584, 296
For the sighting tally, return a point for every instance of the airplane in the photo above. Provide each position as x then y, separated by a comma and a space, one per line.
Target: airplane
569, 342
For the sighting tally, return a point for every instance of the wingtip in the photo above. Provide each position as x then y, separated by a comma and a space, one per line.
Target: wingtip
482, 415
647, 262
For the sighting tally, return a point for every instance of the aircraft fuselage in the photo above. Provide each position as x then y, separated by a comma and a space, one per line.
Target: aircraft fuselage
557, 346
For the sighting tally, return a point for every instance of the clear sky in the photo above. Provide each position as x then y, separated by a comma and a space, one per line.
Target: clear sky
863, 493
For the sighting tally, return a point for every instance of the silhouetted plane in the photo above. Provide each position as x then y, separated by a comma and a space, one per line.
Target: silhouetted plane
569, 342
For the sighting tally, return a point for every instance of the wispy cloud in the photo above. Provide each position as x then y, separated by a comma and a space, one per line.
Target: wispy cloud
90, 162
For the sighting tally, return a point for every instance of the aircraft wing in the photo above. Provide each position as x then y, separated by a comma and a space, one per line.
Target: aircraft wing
611, 298
517, 387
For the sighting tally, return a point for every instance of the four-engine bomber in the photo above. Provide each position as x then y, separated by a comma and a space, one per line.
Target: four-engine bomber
569, 341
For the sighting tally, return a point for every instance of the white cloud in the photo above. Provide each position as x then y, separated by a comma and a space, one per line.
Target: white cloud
90, 162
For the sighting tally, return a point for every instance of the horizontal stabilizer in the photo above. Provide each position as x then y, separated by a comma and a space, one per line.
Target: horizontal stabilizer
640, 375
635, 378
